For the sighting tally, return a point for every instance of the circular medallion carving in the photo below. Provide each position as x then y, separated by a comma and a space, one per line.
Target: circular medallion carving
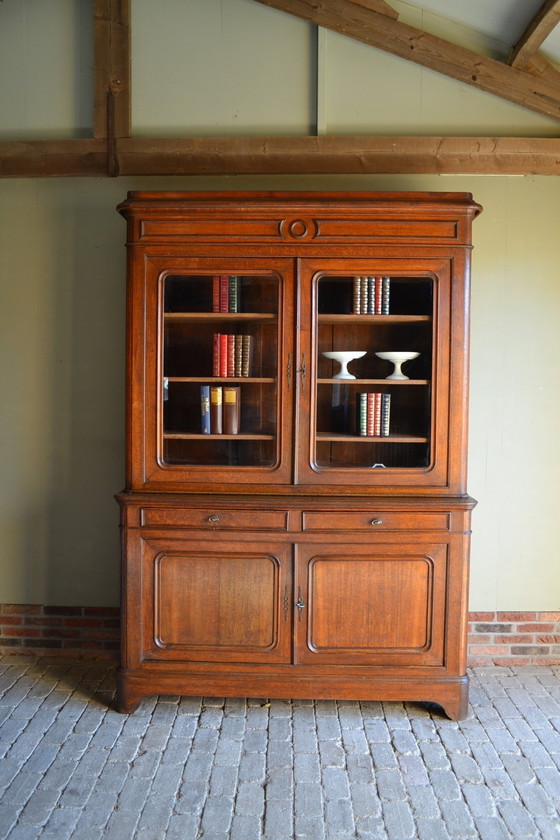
298, 229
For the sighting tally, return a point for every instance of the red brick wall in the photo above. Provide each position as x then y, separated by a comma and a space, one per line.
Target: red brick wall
59, 631
514, 638
499, 638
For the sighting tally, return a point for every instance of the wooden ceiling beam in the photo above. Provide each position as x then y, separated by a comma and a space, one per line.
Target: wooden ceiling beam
379, 6
51, 158
538, 30
111, 112
380, 31
283, 156
339, 155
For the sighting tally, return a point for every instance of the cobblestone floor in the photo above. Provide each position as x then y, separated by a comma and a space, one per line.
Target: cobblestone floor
186, 768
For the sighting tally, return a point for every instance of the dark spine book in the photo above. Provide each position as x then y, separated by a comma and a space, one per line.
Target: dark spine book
216, 293
231, 355
357, 295
233, 293
205, 409
216, 409
246, 353
385, 415
364, 296
371, 296
216, 354
231, 410
238, 355
361, 412
385, 295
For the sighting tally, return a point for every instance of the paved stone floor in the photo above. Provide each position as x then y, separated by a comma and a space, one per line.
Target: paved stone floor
185, 768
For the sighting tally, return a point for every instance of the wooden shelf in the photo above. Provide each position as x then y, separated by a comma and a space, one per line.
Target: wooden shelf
259, 380
180, 317
199, 436
335, 438
373, 382
364, 319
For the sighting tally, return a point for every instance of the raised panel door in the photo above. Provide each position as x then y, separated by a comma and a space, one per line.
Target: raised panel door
382, 604
220, 602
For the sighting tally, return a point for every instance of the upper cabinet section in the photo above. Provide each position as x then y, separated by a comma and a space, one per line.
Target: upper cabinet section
298, 342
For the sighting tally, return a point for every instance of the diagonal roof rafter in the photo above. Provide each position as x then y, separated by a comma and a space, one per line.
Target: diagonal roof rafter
535, 92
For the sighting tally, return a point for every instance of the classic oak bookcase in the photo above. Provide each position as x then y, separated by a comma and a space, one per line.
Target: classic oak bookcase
319, 548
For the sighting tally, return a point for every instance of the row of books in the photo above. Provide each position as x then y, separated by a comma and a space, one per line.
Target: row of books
225, 293
231, 354
373, 414
371, 295
220, 409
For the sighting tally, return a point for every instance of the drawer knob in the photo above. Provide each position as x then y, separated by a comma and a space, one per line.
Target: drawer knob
376, 522
214, 518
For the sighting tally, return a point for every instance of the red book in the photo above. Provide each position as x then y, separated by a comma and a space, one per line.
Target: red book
377, 415
370, 416
224, 293
223, 354
378, 295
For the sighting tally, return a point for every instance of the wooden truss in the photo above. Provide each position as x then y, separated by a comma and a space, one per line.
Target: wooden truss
527, 80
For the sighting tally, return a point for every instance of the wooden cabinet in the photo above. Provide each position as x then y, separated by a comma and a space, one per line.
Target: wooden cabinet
295, 518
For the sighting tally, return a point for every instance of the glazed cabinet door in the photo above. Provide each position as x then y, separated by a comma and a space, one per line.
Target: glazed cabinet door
382, 604
210, 346
379, 345
213, 602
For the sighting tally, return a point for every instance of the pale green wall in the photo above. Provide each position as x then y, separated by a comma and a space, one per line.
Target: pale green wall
62, 265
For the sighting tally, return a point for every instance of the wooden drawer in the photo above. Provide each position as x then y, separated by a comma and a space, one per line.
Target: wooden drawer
252, 520
372, 520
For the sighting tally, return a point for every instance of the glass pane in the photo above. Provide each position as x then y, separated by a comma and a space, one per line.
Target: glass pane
220, 356
374, 364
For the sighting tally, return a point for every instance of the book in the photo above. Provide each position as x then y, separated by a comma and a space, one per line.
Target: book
378, 295
246, 353
385, 295
357, 296
230, 355
205, 409
385, 415
373, 414
231, 410
371, 296
238, 355
364, 293
216, 354
216, 293
233, 293
223, 354
224, 293
216, 409
361, 420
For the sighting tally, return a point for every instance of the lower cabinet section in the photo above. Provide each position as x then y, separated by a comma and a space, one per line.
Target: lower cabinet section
296, 614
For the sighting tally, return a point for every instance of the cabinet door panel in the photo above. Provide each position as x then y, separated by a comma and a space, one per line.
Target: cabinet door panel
372, 421
382, 604
223, 603
207, 378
